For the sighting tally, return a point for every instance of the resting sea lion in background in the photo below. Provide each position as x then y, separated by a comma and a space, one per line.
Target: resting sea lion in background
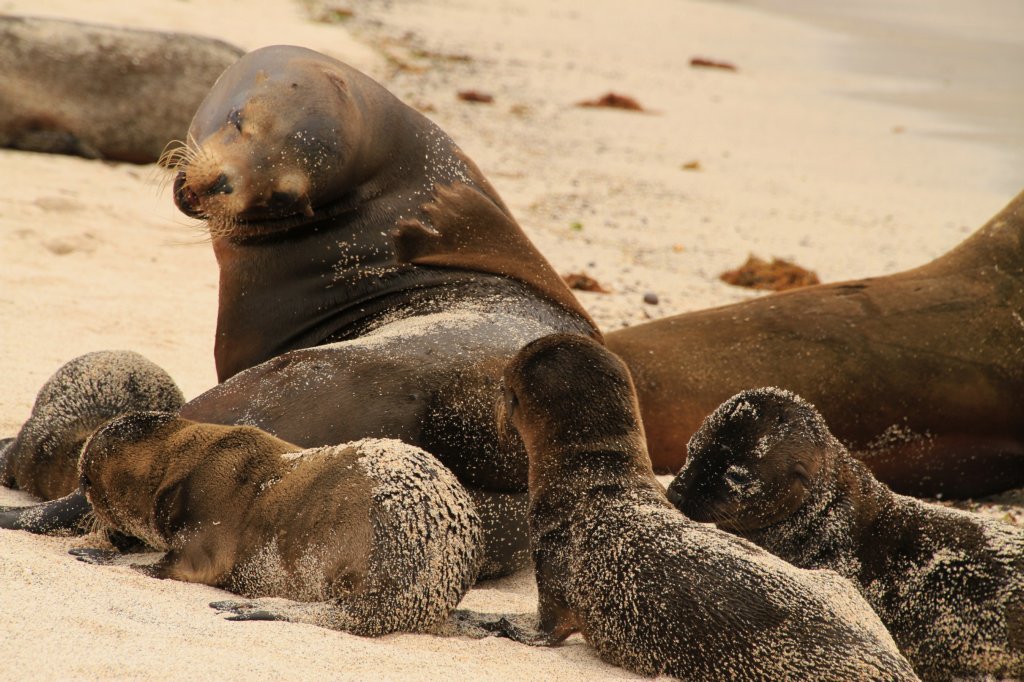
918, 373
377, 532
948, 584
307, 173
101, 92
652, 591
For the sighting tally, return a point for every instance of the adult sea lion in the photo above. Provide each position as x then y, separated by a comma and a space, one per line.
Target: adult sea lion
651, 590
101, 92
948, 584
376, 533
312, 178
918, 373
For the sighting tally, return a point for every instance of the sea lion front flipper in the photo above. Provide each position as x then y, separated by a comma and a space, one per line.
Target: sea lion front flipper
92, 555
243, 610
465, 229
519, 627
57, 517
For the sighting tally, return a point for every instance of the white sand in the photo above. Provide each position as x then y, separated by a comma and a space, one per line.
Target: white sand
94, 256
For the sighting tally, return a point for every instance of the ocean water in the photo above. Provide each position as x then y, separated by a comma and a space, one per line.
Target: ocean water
960, 59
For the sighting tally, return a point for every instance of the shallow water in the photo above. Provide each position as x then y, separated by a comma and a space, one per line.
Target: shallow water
960, 59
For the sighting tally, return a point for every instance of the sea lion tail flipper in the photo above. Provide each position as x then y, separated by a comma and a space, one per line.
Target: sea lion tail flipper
519, 627
55, 517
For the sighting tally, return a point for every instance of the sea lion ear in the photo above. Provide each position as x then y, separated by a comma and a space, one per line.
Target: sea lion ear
337, 80
170, 508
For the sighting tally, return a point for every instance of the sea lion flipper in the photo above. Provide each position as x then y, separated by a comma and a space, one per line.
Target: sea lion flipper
470, 230
413, 239
93, 555
248, 610
520, 627
56, 516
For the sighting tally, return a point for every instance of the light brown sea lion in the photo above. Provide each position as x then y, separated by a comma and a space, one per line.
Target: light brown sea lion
919, 373
312, 178
948, 584
652, 591
101, 92
79, 397
377, 533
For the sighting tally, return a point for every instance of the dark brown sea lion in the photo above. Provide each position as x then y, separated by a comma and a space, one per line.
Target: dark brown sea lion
948, 584
99, 91
377, 533
918, 373
312, 179
652, 591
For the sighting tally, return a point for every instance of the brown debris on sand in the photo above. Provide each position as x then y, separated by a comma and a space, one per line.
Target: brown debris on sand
475, 96
613, 101
778, 275
584, 282
705, 63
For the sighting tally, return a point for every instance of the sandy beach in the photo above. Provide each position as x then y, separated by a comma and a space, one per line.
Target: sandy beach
848, 168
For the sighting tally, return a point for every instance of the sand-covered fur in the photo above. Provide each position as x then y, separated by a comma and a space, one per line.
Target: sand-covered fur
376, 533
42, 459
948, 584
649, 589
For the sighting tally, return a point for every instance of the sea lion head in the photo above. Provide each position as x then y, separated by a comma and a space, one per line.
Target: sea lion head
754, 461
279, 138
567, 393
122, 469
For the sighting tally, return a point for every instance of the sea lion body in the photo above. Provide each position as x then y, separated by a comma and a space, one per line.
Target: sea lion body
918, 373
101, 92
331, 205
948, 584
377, 532
649, 589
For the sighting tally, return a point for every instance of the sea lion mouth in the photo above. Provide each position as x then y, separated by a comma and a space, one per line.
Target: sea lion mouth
282, 211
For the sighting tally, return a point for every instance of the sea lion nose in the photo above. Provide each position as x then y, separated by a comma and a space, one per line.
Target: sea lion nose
185, 199
220, 186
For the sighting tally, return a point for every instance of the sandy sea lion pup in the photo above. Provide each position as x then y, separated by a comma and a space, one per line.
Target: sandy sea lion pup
101, 92
327, 201
377, 533
81, 395
652, 591
948, 584
919, 373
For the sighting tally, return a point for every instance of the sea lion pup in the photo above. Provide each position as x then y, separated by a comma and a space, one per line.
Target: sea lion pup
377, 532
326, 199
81, 395
652, 591
102, 92
948, 584
918, 373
